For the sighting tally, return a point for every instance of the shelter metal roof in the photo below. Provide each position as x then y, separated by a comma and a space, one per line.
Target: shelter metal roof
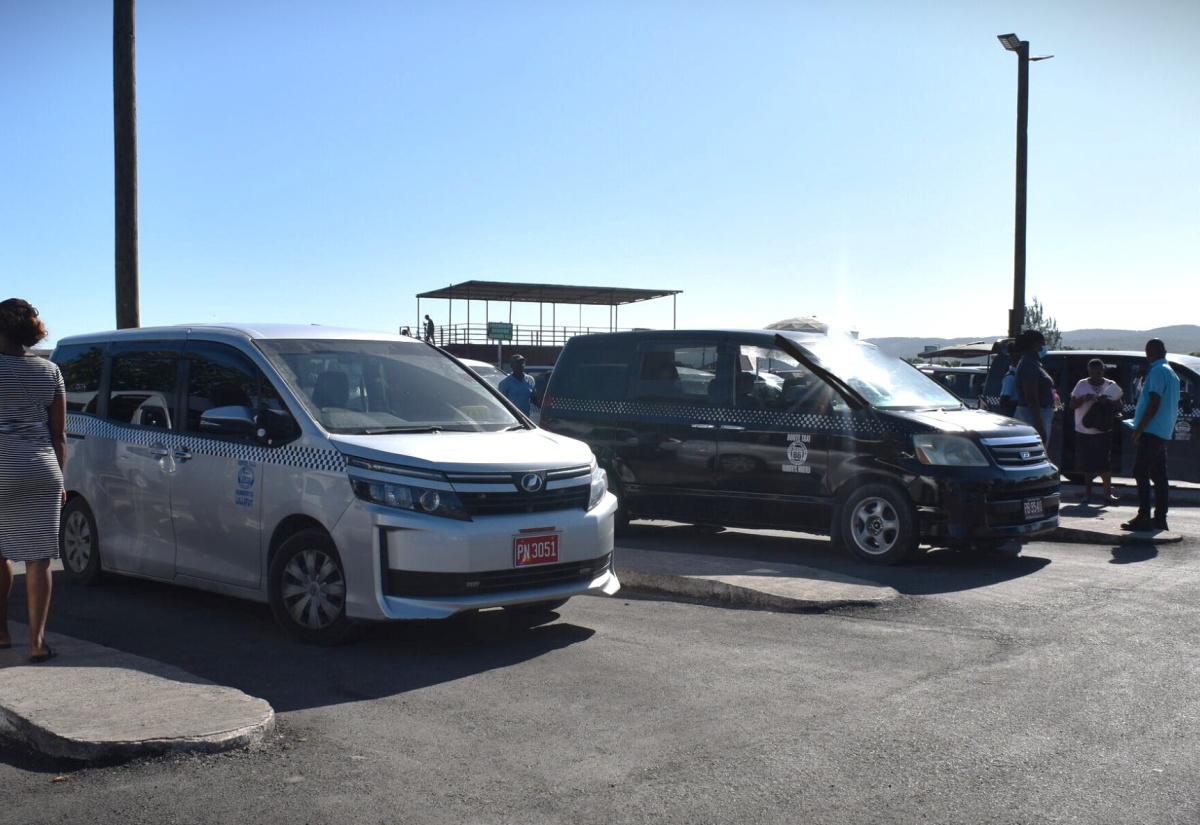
546, 293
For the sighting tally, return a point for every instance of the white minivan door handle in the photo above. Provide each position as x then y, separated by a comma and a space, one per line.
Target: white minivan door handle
183, 454
158, 452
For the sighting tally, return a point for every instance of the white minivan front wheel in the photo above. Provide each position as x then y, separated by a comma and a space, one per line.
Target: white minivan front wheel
308, 589
878, 524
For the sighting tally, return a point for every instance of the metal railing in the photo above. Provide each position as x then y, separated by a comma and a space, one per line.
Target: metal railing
532, 335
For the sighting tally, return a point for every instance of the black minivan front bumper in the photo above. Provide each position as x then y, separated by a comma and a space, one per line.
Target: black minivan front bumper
960, 512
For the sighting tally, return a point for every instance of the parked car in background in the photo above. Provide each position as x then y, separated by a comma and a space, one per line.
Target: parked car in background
966, 382
488, 372
794, 430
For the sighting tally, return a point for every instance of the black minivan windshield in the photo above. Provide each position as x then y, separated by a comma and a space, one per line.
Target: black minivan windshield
886, 382
369, 387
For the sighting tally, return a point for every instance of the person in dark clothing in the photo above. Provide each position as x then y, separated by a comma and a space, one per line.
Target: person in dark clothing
429, 329
1035, 387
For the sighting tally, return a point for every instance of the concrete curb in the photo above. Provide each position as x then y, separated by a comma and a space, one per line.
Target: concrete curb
769, 592
93, 703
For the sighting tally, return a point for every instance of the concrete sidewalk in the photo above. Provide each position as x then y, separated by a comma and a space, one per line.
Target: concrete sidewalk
95, 703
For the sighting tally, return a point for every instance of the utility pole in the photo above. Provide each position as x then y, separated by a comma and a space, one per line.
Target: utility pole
125, 166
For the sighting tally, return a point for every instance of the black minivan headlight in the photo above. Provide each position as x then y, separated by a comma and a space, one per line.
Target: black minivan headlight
948, 451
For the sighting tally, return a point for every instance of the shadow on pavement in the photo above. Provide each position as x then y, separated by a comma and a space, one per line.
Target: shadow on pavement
1133, 553
936, 571
237, 644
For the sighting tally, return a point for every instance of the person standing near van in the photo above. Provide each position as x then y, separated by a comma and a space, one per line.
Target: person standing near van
1153, 426
518, 387
1093, 444
1008, 385
33, 453
1035, 387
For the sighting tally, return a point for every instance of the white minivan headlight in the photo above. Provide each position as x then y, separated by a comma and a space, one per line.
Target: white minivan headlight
444, 503
948, 451
599, 486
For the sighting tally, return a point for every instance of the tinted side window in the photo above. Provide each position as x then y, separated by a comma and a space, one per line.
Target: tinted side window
591, 373
142, 390
677, 374
221, 376
81, 365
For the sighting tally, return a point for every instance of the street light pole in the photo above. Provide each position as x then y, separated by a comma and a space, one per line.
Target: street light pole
1016, 318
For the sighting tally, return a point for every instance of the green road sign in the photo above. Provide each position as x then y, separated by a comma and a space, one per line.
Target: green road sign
499, 331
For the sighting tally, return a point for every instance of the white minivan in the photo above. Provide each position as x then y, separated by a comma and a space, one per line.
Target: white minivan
339, 475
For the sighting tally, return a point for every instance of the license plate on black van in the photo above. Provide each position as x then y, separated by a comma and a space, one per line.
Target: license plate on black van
1034, 509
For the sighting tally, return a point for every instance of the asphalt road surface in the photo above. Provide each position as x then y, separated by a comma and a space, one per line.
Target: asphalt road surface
1054, 687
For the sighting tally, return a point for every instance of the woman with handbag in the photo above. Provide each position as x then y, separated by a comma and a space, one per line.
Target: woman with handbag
33, 452
1096, 401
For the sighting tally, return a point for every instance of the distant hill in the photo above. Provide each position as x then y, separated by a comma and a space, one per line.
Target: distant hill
1181, 338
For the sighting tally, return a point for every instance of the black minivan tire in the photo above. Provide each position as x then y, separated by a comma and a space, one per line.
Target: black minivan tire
877, 523
79, 543
308, 589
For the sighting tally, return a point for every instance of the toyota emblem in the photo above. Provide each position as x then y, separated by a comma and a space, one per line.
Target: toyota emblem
532, 482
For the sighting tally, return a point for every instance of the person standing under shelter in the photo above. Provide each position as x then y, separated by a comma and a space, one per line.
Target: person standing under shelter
1095, 400
429, 329
518, 387
1153, 426
33, 453
1035, 387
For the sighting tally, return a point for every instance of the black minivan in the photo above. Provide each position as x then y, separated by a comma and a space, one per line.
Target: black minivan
794, 430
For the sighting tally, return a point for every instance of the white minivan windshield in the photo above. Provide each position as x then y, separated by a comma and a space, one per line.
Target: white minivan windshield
376, 387
885, 381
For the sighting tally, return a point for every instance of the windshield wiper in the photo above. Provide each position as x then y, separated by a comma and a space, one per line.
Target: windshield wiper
385, 430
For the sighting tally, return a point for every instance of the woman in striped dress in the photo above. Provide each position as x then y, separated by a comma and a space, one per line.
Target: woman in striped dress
33, 452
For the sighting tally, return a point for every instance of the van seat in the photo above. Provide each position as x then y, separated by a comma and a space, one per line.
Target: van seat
332, 389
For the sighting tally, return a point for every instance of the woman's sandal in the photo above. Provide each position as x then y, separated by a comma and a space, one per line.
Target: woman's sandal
47, 653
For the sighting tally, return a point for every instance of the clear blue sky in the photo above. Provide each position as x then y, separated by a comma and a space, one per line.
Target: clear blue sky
324, 162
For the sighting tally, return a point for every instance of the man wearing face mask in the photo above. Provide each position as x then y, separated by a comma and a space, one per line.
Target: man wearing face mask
1035, 387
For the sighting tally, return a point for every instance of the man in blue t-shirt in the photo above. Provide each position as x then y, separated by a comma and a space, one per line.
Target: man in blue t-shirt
518, 387
1153, 426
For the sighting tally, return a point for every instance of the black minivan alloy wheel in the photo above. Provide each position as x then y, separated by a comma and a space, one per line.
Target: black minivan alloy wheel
878, 524
308, 589
78, 543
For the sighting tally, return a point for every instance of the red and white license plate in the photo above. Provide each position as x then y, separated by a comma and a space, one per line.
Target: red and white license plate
529, 550
1034, 509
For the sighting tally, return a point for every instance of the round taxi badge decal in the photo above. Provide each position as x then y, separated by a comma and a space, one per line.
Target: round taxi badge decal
797, 452
245, 478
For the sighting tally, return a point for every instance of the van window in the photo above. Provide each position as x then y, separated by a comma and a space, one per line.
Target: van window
773, 380
675, 374
885, 382
220, 376
142, 390
80, 366
385, 386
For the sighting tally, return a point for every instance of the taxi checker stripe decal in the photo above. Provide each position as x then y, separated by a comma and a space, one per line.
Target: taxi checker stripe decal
848, 423
288, 456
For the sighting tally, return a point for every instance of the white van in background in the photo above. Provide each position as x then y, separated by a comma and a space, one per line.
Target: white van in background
338, 475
